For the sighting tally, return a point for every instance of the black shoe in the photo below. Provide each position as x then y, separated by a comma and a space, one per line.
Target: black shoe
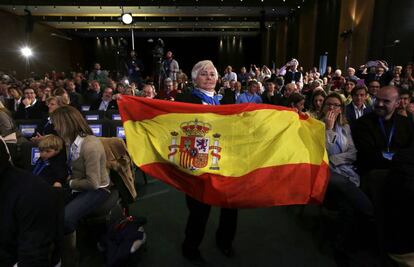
227, 251
194, 257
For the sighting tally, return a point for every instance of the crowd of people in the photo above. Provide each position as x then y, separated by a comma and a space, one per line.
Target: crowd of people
368, 116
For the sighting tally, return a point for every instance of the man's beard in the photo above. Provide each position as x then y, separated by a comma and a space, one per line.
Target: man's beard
380, 111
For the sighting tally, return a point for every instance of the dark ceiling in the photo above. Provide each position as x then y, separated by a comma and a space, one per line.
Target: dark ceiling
166, 18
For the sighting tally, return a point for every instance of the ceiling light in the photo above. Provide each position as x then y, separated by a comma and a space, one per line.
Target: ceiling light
26, 52
126, 18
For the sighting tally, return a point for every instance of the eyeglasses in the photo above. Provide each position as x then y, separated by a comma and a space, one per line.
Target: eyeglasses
335, 106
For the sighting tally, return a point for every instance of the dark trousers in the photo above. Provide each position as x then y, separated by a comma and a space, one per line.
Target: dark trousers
197, 221
355, 211
82, 204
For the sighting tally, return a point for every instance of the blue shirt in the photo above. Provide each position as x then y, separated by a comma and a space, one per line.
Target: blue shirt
248, 98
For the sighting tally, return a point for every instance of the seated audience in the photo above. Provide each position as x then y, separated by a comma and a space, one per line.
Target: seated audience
297, 102
251, 95
271, 94
317, 98
106, 102
357, 107
45, 127
51, 164
30, 107
354, 206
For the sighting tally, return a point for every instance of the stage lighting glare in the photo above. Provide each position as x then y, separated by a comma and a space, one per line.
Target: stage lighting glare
126, 18
26, 51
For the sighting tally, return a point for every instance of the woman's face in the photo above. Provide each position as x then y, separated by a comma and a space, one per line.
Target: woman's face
207, 79
318, 102
331, 104
52, 105
14, 93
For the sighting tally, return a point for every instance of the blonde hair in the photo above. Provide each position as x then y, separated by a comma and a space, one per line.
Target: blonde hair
51, 141
69, 123
60, 101
341, 119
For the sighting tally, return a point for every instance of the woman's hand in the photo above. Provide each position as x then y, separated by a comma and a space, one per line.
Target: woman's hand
330, 119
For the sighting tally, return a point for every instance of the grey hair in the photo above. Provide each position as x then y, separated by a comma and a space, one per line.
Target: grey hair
202, 65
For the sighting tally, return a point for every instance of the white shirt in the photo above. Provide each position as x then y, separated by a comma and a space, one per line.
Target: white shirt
208, 93
34, 102
230, 76
75, 148
359, 112
104, 105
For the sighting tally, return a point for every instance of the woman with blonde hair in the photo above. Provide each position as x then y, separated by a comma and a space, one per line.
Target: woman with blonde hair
46, 126
89, 179
343, 191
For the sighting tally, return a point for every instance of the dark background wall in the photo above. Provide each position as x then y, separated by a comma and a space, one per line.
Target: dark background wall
393, 20
50, 53
307, 34
227, 50
327, 30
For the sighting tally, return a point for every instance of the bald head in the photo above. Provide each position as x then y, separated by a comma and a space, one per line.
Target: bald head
387, 102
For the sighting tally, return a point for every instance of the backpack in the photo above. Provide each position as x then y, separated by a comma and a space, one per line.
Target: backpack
123, 240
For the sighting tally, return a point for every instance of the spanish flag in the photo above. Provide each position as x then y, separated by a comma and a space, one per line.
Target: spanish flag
235, 156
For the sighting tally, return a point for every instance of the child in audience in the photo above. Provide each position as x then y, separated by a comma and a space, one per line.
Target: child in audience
51, 164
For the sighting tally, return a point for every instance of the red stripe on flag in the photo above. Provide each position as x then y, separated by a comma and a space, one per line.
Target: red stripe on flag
140, 108
289, 184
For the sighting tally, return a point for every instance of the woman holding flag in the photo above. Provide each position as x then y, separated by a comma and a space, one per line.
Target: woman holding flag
205, 76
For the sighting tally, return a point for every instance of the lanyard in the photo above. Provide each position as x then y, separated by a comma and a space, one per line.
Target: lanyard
392, 132
40, 165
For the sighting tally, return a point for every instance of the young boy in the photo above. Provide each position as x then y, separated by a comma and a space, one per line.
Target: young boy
51, 164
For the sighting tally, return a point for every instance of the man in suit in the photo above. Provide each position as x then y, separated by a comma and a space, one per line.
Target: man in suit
30, 108
357, 107
377, 137
271, 94
106, 102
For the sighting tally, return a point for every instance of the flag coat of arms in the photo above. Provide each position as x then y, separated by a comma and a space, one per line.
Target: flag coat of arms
236, 156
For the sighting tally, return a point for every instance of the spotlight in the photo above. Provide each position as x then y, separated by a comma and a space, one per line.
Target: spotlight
26, 52
127, 18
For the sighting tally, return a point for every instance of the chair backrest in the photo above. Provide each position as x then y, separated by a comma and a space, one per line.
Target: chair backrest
113, 115
27, 127
116, 129
100, 128
93, 115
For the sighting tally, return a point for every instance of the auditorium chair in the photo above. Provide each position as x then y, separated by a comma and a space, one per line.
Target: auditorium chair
93, 115
27, 127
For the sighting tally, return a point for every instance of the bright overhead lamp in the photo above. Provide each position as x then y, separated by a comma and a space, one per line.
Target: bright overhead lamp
127, 18
26, 52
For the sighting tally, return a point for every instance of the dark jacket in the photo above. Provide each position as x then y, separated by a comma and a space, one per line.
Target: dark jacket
350, 112
56, 170
399, 219
35, 112
273, 100
112, 105
29, 220
370, 141
229, 97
